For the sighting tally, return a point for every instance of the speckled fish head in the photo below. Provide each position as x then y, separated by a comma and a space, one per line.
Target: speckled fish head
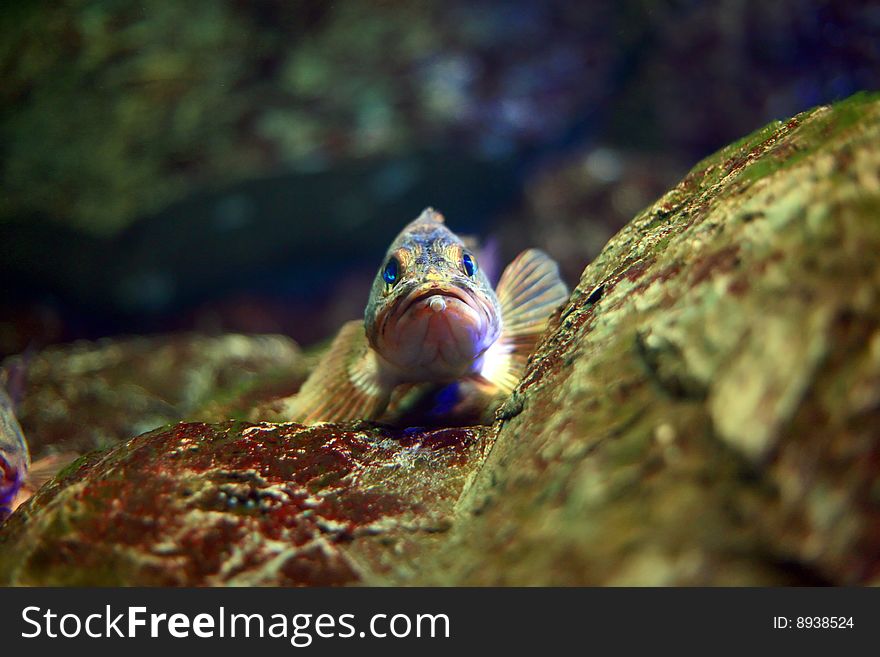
432, 312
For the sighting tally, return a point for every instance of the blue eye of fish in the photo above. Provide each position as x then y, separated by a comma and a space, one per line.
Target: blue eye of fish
389, 274
470, 267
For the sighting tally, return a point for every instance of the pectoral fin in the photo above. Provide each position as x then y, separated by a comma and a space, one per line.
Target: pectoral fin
346, 384
529, 291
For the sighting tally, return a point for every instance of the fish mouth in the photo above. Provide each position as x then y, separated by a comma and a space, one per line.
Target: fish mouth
425, 293
409, 301
436, 330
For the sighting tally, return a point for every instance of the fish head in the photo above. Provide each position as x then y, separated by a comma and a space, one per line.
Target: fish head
432, 312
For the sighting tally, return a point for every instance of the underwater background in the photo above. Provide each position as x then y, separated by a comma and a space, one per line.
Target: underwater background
241, 166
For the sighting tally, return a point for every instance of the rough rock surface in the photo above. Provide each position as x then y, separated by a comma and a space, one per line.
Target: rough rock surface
705, 410
92, 395
719, 371
242, 504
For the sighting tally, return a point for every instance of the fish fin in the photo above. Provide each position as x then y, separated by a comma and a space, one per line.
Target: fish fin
44, 469
430, 215
346, 383
41, 471
470, 242
502, 367
402, 397
529, 291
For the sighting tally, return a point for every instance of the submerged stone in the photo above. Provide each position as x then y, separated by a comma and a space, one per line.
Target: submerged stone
238, 503
713, 417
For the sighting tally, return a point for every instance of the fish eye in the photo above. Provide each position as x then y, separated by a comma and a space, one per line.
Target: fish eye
469, 264
389, 274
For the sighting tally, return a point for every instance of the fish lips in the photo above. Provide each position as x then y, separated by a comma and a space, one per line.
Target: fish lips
425, 292
436, 343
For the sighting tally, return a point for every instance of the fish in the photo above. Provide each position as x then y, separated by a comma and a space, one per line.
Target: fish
20, 477
15, 460
432, 317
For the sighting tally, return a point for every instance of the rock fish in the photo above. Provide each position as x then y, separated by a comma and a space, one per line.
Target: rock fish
14, 455
432, 317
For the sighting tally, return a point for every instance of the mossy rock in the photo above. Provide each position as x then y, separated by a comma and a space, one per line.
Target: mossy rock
706, 410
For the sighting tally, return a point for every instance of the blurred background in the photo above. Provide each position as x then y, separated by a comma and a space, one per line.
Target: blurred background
233, 165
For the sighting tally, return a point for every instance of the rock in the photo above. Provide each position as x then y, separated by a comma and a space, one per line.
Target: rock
242, 504
704, 411
92, 395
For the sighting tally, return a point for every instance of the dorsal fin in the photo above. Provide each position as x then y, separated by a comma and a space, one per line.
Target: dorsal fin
529, 291
345, 384
430, 214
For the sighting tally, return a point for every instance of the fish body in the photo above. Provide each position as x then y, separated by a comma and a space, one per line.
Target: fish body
432, 318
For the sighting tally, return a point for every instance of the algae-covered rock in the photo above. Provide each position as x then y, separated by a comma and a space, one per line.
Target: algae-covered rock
242, 504
92, 395
704, 410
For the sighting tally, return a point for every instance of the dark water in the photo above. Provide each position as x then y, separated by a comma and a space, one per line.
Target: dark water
242, 166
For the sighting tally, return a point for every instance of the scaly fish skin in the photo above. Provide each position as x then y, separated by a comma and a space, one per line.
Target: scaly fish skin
432, 317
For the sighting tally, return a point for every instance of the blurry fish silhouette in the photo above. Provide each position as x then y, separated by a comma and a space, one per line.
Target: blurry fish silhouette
19, 477
15, 459
432, 317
